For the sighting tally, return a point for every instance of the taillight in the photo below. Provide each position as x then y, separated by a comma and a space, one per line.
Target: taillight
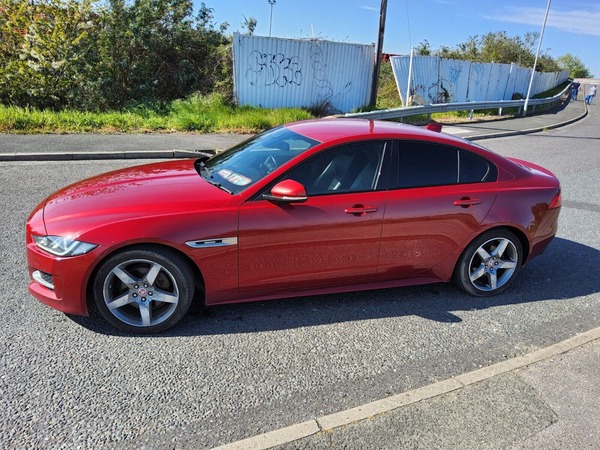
556, 201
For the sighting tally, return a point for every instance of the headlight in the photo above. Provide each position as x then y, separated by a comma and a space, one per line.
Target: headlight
62, 246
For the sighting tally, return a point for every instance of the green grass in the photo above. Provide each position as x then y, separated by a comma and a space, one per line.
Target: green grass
387, 92
195, 114
207, 114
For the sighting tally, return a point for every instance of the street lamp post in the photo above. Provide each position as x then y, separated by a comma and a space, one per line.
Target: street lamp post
537, 54
271, 2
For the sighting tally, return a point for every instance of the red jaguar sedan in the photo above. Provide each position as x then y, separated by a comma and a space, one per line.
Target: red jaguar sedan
307, 208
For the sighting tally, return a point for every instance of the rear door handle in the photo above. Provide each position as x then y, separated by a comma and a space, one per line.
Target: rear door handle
360, 210
466, 202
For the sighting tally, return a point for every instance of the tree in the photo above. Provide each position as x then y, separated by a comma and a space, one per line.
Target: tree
423, 49
495, 47
572, 63
499, 47
156, 49
249, 25
470, 49
68, 53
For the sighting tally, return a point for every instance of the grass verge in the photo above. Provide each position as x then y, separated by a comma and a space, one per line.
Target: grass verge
210, 114
195, 114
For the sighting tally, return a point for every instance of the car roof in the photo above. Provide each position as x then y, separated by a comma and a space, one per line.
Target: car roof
324, 130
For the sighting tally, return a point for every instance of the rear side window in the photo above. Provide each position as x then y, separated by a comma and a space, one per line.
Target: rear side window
475, 169
422, 164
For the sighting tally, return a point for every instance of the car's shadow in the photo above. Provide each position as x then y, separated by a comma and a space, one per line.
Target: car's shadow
566, 270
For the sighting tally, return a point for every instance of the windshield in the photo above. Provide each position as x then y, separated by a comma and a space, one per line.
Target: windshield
243, 165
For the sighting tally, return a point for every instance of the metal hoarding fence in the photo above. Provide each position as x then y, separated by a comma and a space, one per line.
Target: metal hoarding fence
277, 73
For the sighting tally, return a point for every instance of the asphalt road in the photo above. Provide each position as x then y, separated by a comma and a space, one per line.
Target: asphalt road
246, 369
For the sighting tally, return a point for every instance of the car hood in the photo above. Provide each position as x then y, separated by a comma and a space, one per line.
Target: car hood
151, 190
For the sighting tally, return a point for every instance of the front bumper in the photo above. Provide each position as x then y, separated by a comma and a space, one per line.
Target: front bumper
60, 283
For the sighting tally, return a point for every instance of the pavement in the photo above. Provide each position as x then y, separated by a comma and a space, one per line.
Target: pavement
547, 399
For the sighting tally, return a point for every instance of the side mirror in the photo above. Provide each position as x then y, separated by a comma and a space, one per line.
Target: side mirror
287, 191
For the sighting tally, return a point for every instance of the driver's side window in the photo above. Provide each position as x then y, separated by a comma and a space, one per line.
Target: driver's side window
347, 168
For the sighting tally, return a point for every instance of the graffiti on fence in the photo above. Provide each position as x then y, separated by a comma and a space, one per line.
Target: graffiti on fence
277, 72
319, 66
266, 69
438, 80
324, 88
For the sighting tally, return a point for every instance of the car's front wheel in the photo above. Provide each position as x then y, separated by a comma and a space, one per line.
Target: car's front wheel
143, 291
490, 263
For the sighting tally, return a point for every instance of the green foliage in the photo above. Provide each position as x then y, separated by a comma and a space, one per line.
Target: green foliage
552, 92
156, 50
74, 53
423, 49
160, 66
47, 49
194, 114
249, 25
387, 94
572, 63
501, 48
495, 47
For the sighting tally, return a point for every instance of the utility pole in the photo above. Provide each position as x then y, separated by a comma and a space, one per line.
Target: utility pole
536, 59
378, 51
271, 2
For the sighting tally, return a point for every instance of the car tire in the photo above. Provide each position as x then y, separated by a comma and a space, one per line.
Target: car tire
490, 263
143, 291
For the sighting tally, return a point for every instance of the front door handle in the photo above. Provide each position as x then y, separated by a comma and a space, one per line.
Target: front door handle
360, 210
466, 202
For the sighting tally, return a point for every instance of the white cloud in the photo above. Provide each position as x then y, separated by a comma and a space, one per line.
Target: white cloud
573, 21
369, 8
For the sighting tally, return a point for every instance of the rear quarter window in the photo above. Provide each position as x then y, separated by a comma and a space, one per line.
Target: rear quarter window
475, 169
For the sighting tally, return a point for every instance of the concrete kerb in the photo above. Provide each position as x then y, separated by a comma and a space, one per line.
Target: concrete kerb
380, 407
84, 156
530, 130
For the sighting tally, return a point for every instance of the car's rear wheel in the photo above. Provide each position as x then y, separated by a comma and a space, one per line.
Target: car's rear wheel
490, 263
143, 291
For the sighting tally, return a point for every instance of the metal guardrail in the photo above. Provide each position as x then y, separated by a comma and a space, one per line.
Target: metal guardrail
465, 106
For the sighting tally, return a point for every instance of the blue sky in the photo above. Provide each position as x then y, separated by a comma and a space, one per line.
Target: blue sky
573, 25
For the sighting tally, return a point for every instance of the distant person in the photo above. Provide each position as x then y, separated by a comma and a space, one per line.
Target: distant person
591, 95
574, 90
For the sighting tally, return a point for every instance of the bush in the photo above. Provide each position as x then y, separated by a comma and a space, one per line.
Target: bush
60, 54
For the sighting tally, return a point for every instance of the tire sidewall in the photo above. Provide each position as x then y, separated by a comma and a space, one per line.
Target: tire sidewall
171, 261
461, 272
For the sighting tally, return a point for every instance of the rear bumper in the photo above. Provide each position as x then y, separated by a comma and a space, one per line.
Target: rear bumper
546, 231
540, 247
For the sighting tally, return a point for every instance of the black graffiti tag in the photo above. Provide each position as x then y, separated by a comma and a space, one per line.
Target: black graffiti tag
319, 66
267, 69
